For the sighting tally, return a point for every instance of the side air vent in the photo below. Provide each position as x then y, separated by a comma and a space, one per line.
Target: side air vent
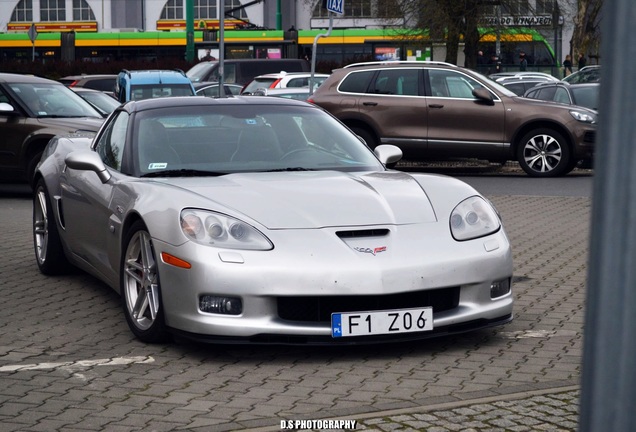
363, 233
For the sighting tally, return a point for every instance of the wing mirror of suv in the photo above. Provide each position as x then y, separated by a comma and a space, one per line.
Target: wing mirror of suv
483, 95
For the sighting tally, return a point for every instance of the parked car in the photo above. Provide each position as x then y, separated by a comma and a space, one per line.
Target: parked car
301, 93
585, 75
241, 71
283, 80
521, 82
101, 82
32, 111
584, 94
522, 74
147, 84
211, 89
218, 224
438, 111
101, 101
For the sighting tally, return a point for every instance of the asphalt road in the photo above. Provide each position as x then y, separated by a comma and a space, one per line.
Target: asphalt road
69, 362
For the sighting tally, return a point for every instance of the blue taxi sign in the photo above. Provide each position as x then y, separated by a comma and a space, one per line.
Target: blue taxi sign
335, 6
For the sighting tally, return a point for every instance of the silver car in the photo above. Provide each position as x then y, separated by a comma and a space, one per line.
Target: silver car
266, 220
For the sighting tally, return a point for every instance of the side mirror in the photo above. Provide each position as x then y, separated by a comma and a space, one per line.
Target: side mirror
483, 95
85, 160
6, 108
388, 154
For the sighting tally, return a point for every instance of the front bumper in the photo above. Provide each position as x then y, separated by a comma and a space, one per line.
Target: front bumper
420, 264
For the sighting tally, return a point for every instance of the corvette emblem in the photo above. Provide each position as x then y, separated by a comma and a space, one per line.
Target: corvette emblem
373, 251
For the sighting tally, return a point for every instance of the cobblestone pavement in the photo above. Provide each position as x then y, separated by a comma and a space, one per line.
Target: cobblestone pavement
68, 361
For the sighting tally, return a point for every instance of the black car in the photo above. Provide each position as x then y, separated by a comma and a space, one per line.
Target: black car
32, 111
584, 94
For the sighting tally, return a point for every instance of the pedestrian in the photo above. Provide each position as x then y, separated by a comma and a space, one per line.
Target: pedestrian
523, 61
208, 56
494, 64
582, 61
567, 65
481, 62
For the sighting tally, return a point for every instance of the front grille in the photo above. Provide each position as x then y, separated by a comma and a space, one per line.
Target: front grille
320, 308
590, 137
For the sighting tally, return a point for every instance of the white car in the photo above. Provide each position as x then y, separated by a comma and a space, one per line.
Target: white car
283, 80
266, 220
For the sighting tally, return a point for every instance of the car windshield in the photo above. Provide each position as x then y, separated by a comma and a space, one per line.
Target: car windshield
149, 91
102, 101
53, 100
223, 139
258, 83
199, 71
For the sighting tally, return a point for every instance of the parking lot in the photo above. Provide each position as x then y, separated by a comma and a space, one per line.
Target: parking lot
69, 362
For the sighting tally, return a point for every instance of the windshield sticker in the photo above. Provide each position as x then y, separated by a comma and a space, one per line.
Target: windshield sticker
157, 165
250, 121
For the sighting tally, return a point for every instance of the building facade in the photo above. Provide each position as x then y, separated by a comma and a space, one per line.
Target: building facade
552, 18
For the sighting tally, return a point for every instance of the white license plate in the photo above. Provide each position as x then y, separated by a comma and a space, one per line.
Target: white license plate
381, 322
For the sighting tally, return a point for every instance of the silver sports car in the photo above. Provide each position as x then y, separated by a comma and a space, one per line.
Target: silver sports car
266, 220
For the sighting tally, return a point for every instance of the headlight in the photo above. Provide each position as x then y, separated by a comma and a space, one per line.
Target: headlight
584, 117
218, 230
472, 218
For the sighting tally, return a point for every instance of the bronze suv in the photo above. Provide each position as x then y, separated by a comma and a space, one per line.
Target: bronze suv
438, 111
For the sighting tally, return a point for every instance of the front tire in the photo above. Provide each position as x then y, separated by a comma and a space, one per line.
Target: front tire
140, 287
367, 136
49, 252
544, 153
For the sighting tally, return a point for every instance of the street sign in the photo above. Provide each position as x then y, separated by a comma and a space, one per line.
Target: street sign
335, 6
33, 33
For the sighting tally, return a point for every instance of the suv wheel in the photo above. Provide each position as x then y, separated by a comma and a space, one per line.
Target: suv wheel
367, 136
544, 153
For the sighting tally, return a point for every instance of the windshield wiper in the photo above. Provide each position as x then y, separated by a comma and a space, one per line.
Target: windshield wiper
184, 173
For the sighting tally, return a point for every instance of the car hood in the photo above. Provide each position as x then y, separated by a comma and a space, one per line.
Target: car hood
72, 124
300, 200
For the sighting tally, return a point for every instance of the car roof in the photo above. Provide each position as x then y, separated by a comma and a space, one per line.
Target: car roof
156, 76
282, 74
567, 84
391, 63
189, 101
88, 76
203, 84
27, 79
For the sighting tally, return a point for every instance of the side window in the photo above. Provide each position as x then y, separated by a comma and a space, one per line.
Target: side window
356, 82
3, 97
517, 88
445, 83
396, 82
110, 146
546, 93
298, 82
561, 95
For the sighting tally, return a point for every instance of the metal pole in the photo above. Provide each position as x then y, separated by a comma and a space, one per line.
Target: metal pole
189, 30
221, 9
608, 387
313, 53
279, 16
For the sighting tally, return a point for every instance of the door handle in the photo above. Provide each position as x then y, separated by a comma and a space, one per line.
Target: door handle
369, 103
436, 106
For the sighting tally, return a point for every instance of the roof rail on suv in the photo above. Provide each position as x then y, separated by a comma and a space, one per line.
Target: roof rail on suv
400, 62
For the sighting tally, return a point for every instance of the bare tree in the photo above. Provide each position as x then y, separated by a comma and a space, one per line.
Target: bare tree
586, 38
